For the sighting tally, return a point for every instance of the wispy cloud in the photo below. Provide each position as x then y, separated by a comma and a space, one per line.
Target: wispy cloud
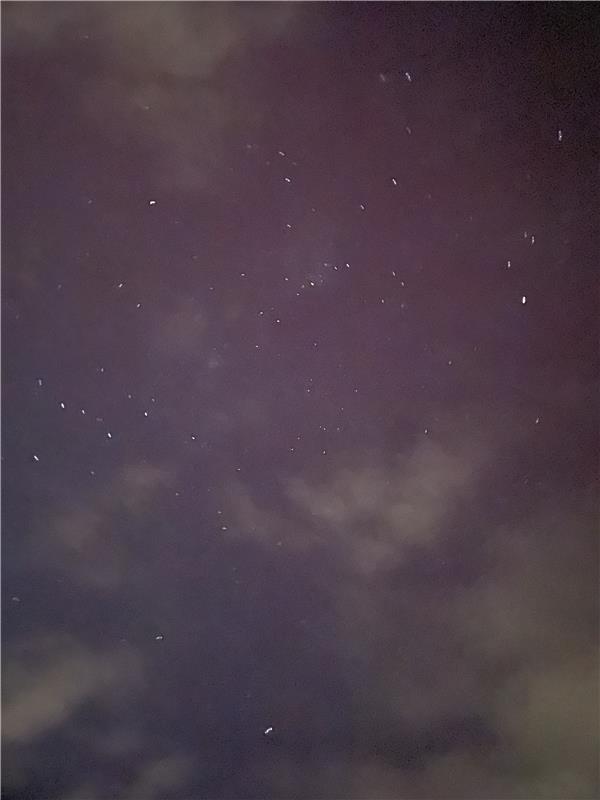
88, 536
157, 75
48, 679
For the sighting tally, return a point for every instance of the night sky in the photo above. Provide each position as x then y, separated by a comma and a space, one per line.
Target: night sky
300, 374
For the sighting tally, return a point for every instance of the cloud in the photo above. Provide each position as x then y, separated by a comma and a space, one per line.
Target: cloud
372, 515
47, 679
487, 671
537, 585
172, 39
161, 776
377, 514
533, 619
158, 778
92, 538
154, 77
550, 717
514, 654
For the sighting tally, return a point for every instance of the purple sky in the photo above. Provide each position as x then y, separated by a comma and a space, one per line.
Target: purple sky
300, 387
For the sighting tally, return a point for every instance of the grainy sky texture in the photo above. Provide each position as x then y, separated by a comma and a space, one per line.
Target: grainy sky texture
299, 401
